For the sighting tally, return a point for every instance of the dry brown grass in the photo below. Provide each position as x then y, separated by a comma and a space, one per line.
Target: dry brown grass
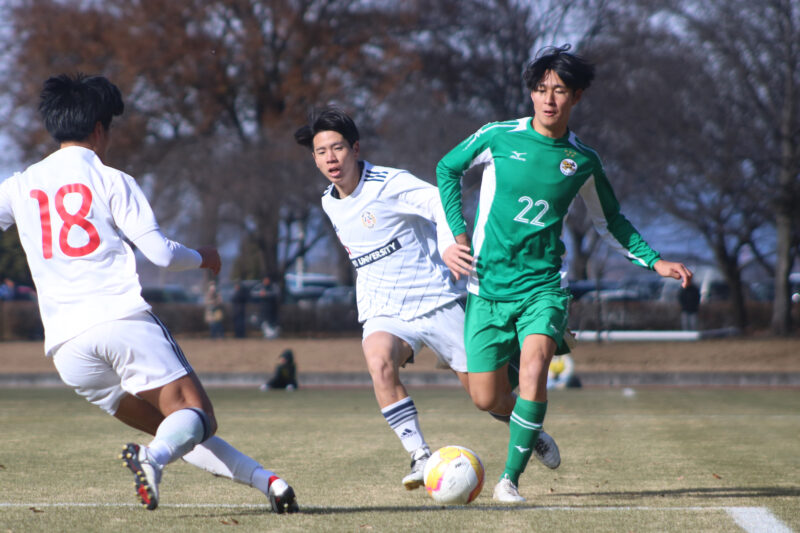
344, 355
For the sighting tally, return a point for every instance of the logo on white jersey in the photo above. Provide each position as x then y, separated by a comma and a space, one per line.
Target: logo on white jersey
568, 167
518, 155
375, 255
368, 219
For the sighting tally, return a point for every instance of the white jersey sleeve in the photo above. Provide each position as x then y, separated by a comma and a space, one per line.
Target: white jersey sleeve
423, 199
73, 214
388, 228
168, 254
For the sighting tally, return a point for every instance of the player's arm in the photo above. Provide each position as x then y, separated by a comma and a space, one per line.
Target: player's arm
134, 217
612, 225
421, 198
450, 170
174, 256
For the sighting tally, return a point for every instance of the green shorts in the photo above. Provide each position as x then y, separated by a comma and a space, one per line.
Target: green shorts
494, 331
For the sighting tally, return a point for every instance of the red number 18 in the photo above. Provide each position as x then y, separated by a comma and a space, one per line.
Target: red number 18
70, 219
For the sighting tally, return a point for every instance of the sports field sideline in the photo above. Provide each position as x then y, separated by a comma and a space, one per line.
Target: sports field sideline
338, 361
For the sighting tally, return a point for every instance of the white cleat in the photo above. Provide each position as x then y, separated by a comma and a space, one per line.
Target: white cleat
147, 474
546, 451
506, 491
415, 479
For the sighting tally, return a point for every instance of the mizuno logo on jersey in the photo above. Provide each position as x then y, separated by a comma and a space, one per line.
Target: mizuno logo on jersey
375, 255
518, 155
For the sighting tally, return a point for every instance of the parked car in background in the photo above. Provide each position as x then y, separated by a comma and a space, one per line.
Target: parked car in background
307, 286
167, 294
339, 295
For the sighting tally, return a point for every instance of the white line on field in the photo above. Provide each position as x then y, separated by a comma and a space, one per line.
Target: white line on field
757, 520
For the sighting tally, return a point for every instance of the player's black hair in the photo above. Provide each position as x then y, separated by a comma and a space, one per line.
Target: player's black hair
327, 119
576, 72
71, 105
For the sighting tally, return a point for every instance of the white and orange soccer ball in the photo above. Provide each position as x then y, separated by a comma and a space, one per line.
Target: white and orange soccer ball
453, 474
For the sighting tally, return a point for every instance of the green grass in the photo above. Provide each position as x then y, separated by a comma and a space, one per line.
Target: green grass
660, 460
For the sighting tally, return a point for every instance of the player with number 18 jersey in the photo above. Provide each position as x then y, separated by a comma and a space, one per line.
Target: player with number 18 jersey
73, 215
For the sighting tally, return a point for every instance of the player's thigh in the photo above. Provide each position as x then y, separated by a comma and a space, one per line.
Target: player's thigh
443, 333
181, 393
546, 313
390, 339
490, 338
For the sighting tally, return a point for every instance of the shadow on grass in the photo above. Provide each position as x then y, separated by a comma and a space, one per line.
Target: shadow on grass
705, 492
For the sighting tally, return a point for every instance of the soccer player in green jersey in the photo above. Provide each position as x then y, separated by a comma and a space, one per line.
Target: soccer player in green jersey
518, 303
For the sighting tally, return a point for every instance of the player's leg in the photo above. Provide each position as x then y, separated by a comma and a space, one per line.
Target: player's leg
385, 351
541, 320
214, 455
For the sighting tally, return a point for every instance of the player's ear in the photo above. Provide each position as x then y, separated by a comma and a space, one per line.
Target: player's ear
576, 96
356, 147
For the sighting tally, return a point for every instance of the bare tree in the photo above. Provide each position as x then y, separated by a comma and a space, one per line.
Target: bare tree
697, 121
213, 89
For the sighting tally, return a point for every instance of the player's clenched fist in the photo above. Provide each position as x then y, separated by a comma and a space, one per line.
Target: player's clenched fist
211, 259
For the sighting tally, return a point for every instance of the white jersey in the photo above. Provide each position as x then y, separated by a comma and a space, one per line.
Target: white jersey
72, 212
389, 227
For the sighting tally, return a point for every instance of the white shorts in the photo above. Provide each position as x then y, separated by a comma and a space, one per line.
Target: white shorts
130, 355
441, 330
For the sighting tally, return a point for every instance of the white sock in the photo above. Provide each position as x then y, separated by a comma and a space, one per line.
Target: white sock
402, 418
176, 435
221, 459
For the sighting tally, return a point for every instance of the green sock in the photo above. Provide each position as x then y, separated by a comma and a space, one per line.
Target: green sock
526, 424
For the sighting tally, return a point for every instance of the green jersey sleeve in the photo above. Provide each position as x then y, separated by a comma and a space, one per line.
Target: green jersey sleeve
468, 153
611, 224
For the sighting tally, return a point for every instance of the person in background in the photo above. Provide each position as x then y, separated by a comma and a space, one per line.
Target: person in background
689, 300
215, 313
561, 374
285, 376
268, 294
239, 307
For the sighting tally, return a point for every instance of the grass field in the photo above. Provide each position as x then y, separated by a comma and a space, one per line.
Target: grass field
653, 460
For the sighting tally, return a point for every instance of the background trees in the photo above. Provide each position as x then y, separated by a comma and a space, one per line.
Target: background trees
695, 109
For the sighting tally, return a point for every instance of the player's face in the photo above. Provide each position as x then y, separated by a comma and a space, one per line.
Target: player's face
337, 160
552, 105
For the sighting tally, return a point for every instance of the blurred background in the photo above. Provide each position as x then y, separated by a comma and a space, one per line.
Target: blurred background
695, 112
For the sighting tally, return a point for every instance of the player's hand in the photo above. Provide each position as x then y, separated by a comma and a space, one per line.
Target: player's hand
668, 269
211, 259
458, 260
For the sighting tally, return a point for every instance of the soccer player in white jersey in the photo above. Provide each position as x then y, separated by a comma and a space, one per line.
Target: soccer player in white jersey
75, 216
394, 230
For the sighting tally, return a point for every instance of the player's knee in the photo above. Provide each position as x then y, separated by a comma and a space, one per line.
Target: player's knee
381, 368
483, 400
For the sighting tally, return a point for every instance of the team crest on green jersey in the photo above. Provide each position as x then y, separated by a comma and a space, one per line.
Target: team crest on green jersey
568, 167
368, 219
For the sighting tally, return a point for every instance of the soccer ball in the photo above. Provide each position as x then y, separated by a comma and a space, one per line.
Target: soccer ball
453, 474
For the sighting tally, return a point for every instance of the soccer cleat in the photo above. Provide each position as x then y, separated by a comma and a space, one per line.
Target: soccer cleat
415, 479
281, 496
146, 473
506, 491
546, 451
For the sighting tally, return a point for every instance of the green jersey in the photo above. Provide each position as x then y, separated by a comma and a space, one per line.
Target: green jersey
529, 181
